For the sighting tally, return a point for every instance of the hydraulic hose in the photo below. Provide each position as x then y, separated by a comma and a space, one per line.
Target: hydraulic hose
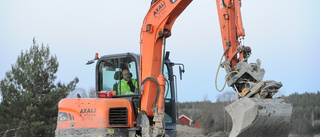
158, 89
218, 73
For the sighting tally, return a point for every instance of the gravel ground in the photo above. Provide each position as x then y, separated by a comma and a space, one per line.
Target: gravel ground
186, 131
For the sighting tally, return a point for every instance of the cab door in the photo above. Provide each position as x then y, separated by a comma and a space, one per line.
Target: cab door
170, 98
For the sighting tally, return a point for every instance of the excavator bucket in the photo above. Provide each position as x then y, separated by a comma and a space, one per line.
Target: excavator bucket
260, 117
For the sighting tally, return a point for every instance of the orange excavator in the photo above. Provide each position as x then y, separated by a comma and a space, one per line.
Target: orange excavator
137, 93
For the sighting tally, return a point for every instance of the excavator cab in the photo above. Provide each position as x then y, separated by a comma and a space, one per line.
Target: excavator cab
109, 74
114, 115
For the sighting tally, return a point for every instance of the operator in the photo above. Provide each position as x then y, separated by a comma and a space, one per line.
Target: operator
128, 84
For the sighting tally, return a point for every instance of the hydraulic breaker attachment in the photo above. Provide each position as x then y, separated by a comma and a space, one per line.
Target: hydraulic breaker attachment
260, 117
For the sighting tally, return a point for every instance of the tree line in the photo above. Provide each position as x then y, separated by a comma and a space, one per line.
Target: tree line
305, 118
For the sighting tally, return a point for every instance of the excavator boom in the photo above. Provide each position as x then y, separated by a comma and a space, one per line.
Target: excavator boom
156, 28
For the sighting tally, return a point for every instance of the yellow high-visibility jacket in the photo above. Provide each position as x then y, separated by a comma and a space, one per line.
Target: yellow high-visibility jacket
125, 88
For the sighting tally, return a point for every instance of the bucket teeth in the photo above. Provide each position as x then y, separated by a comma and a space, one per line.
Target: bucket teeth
260, 117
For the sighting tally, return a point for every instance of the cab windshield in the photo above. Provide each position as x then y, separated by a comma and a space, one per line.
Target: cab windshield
118, 75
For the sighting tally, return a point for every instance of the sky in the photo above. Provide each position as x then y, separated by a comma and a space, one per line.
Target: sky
284, 35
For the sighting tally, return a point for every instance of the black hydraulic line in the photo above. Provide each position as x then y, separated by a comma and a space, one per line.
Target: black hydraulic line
158, 88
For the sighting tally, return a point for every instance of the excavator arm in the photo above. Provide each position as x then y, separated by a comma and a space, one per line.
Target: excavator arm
256, 113
240, 75
232, 31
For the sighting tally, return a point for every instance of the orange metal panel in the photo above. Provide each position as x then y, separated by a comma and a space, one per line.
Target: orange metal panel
92, 113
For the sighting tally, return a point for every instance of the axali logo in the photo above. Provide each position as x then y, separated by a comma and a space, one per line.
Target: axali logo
161, 6
88, 112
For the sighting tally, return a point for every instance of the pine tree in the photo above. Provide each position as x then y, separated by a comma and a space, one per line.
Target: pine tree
30, 94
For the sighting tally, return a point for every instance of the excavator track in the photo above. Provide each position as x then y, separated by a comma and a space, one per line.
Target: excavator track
260, 117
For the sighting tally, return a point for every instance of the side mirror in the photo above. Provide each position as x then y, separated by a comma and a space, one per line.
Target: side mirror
90, 62
181, 70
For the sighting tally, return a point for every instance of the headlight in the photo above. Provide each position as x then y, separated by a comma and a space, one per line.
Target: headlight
63, 116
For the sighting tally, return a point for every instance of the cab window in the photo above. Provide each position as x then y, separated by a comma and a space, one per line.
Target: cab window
118, 75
